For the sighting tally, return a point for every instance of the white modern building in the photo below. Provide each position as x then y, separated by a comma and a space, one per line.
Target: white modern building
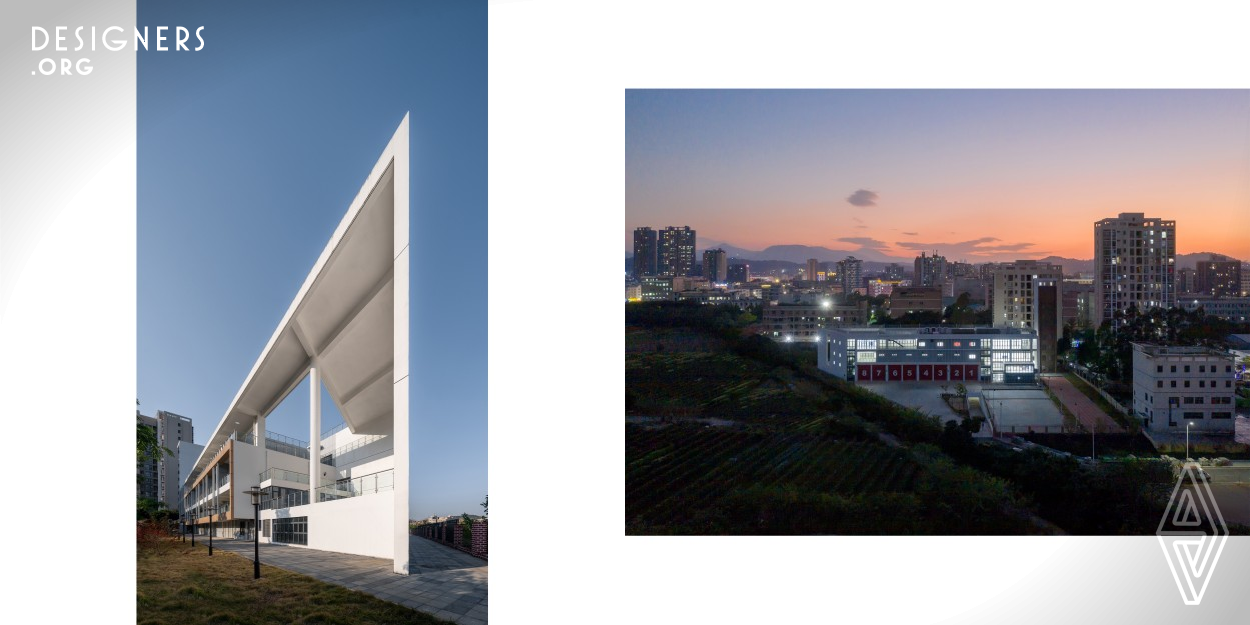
941, 354
346, 330
1179, 387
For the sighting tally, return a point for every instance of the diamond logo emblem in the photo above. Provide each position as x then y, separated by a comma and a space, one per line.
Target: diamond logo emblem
1192, 533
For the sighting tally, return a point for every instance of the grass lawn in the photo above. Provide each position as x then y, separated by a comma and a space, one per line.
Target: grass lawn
180, 584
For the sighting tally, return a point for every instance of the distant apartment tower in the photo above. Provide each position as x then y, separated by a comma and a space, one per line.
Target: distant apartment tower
740, 273
1135, 264
716, 265
850, 274
813, 268
909, 299
1219, 278
1185, 282
171, 429
148, 471
895, 271
1245, 278
645, 252
675, 252
930, 270
1027, 296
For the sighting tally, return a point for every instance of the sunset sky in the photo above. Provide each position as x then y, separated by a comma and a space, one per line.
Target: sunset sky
975, 174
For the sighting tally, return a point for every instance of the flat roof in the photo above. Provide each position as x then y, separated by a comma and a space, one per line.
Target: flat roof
1179, 350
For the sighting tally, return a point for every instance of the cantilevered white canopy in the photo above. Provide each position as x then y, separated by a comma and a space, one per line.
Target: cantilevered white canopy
346, 319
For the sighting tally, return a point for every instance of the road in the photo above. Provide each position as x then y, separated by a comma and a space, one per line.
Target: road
1086, 411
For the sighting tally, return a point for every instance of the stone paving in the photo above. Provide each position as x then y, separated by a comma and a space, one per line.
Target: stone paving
444, 582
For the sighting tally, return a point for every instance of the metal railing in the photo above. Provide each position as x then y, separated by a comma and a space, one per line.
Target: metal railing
334, 430
288, 500
283, 474
332, 457
381, 481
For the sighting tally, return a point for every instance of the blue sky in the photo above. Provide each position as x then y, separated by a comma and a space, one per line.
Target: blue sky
251, 150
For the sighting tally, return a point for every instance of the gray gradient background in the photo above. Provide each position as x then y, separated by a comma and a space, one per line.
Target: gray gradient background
58, 133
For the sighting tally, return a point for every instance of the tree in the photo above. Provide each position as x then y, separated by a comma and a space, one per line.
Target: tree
148, 447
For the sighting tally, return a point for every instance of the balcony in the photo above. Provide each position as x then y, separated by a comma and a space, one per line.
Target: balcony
373, 483
284, 475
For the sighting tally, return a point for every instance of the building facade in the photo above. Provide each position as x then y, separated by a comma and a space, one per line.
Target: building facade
716, 265
675, 253
930, 270
1027, 295
1175, 388
645, 250
346, 334
1218, 278
850, 274
907, 299
1135, 264
740, 273
173, 431
1232, 308
938, 355
148, 471
803, 322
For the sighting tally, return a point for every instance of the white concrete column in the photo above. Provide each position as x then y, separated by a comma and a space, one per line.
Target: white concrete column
314, 433
258, 431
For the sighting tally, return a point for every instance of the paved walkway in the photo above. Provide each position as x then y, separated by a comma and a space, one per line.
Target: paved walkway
1085, 410
444, 582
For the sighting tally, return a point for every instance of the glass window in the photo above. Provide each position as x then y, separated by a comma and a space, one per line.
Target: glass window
866, 356
1159, 384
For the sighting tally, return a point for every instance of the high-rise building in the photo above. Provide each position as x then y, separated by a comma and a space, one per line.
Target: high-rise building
1220, 278
813, 268
148, 470
1245, 278
716, 265
1185, 282
675, 252
930, 270
850, 274
1135, 261
171, 429
644, 252
1027, 295
740, 273
895, 271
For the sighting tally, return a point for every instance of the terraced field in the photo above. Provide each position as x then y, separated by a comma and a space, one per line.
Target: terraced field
676, 474
711, 384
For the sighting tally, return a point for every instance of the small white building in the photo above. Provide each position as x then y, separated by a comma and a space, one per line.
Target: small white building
1179, 387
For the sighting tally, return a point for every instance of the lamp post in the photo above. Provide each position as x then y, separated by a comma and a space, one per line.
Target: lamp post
255, 494
212, 525
197, 511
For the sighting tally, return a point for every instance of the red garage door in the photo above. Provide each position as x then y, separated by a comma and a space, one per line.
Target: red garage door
863, 373
939, 372
878, 373
957, 372
926, 373
971, 374
895, 372
909, 373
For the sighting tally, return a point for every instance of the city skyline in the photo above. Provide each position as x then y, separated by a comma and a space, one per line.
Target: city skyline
978, 175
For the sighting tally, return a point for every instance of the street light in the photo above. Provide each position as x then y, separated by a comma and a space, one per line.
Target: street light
255, 494
1187, 424
212, 526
